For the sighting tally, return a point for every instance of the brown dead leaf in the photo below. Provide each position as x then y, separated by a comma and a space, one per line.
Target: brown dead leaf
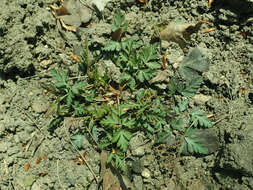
72, 14
117, 34
165, 63
143, 1
161, 76
38, 160
111, 178
27, 166
110, 182
179, 32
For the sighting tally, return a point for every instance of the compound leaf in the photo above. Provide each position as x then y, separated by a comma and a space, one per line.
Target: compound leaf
194, 146
111, 120
78, 87
199, 117
122, 138
112, 46
192, 87
153, 65
77, 140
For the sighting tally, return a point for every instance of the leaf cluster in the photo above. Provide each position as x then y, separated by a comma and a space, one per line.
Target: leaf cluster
111, 119
138, 63
119, 22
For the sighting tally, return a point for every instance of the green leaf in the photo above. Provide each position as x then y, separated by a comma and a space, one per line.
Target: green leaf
55, 122
77, 140
122, 137
177, 124
192, 87
128, 122
181, 106
79, 109
141, 76
60, 77
77, 88
194, 146
70, 98
112, 46
111, 120
126, 78
120, 163
175, 86
148, 53
200, 118
162, 136
153, 65
63, 110
119, 18
110, 157
60, 84
127, 46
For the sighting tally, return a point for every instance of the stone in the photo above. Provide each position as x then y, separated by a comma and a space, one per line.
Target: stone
201, 99
138, 183
140, 151
146, 173
40, 106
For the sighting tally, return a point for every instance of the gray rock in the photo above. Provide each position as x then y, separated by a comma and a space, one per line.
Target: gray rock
40, 105
146, 173
137, 166
140, 151
201, 99
138, 183
136, 145
107, 67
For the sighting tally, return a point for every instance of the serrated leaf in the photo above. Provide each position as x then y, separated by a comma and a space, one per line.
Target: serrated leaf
70, 98
77, 140
122, 138
148, 74
127, 45
78, 109
181, 106
120, 163
109, 158
148, 53
162, 136
192, 87
176, 124
111, 120
55, 122
77, 88
118, 20
194, 146
112, 46
140, 76
128, 122
201, 119
58, 75
153, 65
60, 84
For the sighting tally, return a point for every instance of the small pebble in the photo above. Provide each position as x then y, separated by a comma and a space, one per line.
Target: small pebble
146, 173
